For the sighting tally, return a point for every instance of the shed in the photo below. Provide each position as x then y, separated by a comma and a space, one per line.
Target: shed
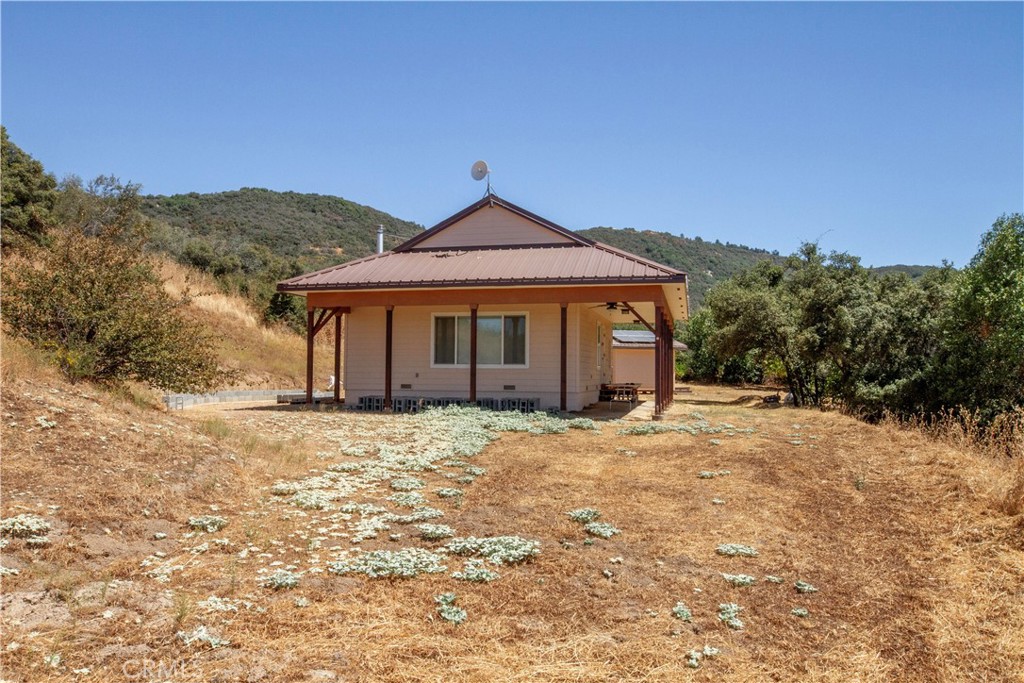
633, 357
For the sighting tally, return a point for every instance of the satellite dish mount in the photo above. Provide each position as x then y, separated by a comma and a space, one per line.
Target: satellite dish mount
480, 171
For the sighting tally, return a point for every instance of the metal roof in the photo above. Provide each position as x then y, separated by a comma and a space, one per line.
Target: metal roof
571, 260
639, 339
548, 265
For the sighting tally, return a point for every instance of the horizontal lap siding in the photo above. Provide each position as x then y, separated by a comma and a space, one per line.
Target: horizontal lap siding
634, 365
591, 373
492, 227
364, 357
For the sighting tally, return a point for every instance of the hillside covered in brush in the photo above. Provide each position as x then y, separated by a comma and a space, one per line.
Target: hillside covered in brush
706, 263
261, 234
318, 230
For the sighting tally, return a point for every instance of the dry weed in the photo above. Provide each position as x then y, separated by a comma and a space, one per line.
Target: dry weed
918, 572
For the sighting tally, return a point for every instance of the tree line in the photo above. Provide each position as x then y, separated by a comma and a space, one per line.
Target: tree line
834, 333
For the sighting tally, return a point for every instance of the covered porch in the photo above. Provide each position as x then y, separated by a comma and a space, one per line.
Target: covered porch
646, 304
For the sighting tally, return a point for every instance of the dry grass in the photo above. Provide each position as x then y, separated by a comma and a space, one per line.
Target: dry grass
919, 564
263, 357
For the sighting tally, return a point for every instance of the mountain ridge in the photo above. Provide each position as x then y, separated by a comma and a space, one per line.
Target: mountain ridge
271, 235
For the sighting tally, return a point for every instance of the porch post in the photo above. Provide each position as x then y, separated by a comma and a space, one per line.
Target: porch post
665, 346
659, 364
309, 356
472, 353
337, 356
564, 360
388, 339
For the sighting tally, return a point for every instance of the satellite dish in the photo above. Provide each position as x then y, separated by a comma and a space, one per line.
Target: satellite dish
480, 170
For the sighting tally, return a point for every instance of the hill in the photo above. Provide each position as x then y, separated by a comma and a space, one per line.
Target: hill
252, 230
257, 232
267, 235
913, 272
234, 545
706, 263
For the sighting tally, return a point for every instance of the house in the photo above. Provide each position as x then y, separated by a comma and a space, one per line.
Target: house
633, 357
493, 305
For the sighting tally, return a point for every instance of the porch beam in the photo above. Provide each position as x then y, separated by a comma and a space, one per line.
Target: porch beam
563, 355
510, 295
639, 317
388, 343
472, 353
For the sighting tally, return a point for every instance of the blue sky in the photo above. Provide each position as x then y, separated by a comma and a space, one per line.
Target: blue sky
891, 131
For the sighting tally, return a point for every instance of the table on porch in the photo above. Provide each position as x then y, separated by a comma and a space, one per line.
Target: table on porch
619, 391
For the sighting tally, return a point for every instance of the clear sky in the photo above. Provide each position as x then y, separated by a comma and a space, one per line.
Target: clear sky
892, 131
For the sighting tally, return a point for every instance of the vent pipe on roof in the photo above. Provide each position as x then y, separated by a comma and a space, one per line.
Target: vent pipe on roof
380, 239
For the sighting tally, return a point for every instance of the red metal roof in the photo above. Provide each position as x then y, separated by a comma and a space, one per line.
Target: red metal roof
576, 261
551, 265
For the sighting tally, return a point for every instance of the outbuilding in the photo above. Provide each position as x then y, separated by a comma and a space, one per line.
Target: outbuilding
493, 306
633, 357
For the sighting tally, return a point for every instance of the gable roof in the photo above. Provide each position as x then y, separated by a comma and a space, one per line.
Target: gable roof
592, 264
467, 251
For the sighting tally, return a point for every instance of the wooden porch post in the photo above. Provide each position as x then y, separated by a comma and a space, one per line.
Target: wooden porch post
309, 356
668, 365
388, 339
472, 353
564, 360
337, 356
659, 363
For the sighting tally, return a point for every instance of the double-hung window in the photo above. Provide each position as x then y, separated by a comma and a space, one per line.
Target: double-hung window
500, 340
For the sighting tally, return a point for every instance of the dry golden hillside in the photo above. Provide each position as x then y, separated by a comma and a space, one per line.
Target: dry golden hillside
916, 549
264, 357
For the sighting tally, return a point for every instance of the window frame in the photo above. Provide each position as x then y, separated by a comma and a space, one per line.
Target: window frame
488, 314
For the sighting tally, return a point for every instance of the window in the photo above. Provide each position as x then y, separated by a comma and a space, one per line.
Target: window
500, 340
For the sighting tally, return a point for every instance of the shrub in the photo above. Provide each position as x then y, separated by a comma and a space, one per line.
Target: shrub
729, 614
447, 610
601, 529
435, 532
405, 563
497, 549
584, 515
740, 580
24, 525
202, 635
209, 523
681, 611
736, 549
96, 303
280, 579
476, 572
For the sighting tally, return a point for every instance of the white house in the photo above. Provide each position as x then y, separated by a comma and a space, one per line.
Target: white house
494, 305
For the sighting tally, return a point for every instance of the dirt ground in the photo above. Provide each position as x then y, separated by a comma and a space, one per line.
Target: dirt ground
918, 567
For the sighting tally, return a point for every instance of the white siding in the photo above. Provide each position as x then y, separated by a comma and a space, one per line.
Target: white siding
634, 365
592, 373
364, 357
490, 227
